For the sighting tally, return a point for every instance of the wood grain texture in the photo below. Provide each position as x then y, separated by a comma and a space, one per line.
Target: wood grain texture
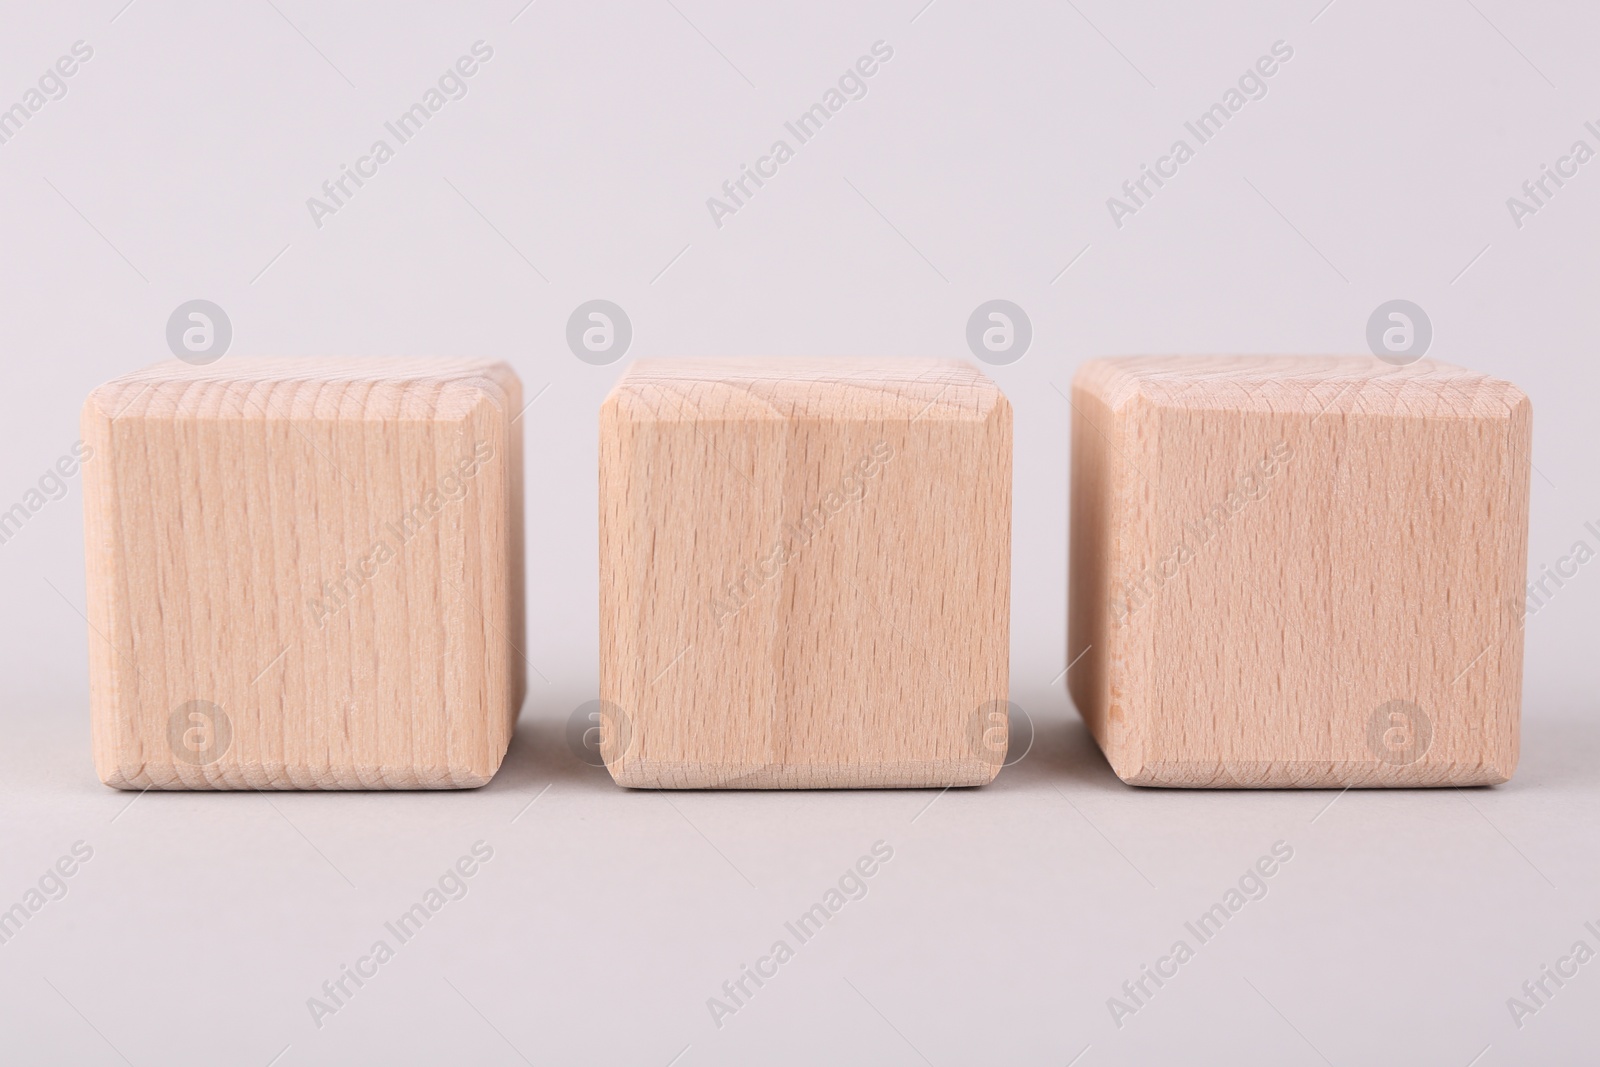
804, 574
1298, 571
305, 574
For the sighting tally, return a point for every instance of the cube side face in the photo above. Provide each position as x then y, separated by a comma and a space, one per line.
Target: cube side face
1315, 599
805, 603
316, 600
1097, 482
498, 417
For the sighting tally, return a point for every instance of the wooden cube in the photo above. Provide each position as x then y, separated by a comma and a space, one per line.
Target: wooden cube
804, 574
1298, 571
305, 574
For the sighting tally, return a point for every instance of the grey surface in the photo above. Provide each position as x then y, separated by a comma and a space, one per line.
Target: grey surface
976, 168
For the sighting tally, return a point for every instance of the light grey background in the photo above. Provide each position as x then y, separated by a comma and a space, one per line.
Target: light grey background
977, 167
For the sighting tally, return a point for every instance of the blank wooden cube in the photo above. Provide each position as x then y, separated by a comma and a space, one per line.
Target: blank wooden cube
305, 574
1297, 571
804, 574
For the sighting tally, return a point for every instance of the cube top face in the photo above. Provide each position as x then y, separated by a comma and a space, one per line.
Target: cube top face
1298, 571
805, 574
430, 390
834, 390
304, 574
1319, 385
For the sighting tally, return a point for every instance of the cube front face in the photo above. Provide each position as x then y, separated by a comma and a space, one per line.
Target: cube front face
805, 574
305, 574
1298, 572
